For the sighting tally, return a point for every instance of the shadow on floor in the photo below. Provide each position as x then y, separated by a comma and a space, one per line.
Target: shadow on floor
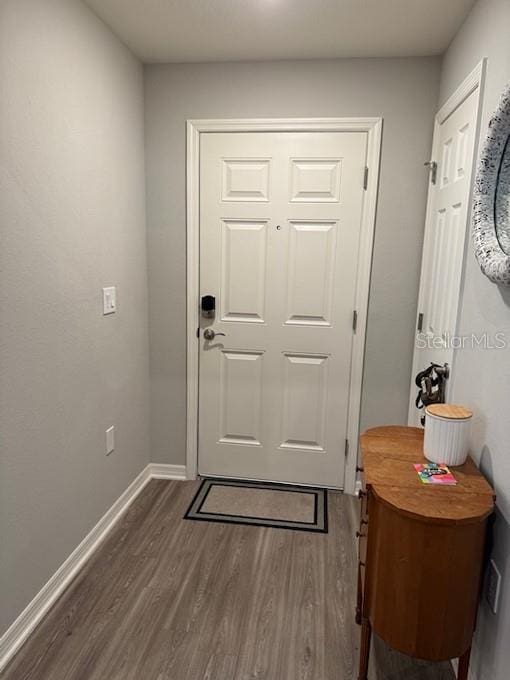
387, 664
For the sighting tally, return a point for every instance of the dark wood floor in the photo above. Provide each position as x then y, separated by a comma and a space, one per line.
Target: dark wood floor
170, 599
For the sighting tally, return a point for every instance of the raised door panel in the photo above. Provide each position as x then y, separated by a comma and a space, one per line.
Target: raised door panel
311, 273
452, 271
437, 271
240, 397
243, 270
315, 180
462, 152
446, 162
245, 179
304, 401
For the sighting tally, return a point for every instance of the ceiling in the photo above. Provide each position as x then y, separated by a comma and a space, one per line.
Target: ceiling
239, 30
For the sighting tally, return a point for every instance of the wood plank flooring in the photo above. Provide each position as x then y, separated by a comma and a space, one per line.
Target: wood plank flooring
170, 599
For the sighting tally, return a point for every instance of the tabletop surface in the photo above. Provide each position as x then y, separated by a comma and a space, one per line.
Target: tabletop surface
389, 454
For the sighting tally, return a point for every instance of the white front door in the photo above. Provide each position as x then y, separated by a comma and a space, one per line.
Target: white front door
280, 216
444, 241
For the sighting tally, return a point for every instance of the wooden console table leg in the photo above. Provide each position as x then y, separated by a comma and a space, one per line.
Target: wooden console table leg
364, 652
464, 665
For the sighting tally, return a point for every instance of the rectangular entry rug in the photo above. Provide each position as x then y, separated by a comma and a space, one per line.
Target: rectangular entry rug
262, 504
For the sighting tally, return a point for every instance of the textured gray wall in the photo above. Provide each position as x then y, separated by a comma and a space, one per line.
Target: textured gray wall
482, 377
71, 221
404, 92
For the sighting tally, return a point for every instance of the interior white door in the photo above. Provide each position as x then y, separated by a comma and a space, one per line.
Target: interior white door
280, 216
444, 241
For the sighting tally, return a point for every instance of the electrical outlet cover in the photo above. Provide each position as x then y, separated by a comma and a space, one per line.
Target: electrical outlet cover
492, 586
110, 440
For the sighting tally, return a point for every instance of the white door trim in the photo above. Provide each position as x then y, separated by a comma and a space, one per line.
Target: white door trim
373, 128
473, 81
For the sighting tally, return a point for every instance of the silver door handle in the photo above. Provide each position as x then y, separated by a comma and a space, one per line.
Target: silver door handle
209, 334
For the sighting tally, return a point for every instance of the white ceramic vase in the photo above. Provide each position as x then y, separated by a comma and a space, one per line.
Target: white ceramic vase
447, 431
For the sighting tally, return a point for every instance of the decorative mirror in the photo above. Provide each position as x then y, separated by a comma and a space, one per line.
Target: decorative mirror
491, 199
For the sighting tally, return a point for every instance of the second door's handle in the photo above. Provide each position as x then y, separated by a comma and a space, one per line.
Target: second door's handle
209, 334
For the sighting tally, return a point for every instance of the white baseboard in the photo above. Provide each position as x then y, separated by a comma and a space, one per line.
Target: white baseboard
164, 471
18, 632
471, 673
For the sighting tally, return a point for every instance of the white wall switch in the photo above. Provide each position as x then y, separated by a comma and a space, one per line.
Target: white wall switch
109, 300
492, 586
110, 440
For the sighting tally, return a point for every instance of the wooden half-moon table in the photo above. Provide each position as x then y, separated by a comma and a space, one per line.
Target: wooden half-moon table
421, 551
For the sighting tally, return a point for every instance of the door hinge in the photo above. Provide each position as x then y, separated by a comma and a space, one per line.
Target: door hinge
346, 448
365, 178
419, 326
354, 321
432, 165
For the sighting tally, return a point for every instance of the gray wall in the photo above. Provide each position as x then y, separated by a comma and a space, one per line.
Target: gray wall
404, 92
482, 377
71, 221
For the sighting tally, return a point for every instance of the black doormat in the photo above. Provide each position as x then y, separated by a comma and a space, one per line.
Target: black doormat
262, 504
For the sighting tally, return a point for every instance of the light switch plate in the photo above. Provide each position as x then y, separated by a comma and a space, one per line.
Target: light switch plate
109, 300
110, 440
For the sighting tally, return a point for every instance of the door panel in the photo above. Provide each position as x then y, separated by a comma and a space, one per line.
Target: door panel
280, 217
311, 273
304, 402
315, 180
444, 242
243, 270
245, 179
241, 397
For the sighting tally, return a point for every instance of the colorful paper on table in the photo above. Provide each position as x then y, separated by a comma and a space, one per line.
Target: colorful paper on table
432, 473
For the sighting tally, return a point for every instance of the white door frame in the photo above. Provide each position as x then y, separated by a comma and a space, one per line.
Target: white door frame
473, 81
373, 128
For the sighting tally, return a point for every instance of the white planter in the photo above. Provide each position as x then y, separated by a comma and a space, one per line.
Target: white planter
447, 429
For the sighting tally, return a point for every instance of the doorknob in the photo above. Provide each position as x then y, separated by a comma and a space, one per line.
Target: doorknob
209, 334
